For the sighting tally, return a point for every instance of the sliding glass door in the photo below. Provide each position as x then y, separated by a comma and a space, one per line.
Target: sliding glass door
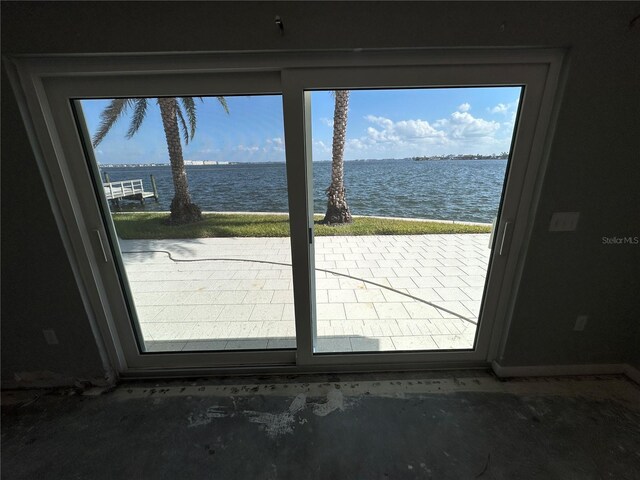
406, 185
197, 192
414, 180
293, 213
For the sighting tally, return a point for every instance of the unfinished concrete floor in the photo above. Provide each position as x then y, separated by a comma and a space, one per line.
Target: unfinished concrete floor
391, 426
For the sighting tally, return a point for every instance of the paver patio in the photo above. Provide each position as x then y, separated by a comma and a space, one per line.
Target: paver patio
374, 293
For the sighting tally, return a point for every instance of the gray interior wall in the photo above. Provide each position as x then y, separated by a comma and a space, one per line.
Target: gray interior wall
593, 168
38, 288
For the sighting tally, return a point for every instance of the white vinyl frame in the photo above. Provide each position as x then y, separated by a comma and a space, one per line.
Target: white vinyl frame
46, 86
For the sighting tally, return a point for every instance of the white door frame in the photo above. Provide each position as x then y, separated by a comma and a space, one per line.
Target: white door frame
45, 85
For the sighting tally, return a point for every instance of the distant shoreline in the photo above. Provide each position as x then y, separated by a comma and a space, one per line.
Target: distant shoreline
228, 164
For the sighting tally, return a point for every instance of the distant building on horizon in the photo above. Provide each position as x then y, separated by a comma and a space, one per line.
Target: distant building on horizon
204, 162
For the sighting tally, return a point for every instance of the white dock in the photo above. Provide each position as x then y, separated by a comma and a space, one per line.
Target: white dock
128, 190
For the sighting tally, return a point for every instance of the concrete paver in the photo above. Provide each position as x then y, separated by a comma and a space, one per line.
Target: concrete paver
237, 293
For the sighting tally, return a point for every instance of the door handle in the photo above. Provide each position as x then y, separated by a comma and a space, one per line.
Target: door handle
507, 226
104, 252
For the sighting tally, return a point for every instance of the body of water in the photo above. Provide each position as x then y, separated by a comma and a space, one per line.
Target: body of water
462, 190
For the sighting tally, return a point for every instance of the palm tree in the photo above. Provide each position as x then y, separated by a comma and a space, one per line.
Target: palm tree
337, 208
173, 112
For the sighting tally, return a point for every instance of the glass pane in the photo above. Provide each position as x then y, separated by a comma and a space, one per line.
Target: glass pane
403, 214
216, 280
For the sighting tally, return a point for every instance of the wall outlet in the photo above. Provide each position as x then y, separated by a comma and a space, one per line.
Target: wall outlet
50, 336
581, 322
564, 221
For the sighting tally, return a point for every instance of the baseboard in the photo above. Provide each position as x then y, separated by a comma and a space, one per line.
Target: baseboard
562, 370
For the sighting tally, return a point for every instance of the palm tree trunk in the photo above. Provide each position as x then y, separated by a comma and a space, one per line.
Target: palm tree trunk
337, 208
182, 209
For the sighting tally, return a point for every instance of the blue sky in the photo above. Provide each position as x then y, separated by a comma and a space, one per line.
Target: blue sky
381, 124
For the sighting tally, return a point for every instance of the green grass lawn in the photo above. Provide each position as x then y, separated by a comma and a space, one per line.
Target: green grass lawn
150, 226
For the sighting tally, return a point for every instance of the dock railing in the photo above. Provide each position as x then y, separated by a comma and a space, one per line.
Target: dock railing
125, 188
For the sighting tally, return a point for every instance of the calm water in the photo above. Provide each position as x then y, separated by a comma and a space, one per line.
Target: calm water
464, 190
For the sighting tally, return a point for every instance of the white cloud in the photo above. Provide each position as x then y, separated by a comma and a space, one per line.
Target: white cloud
320, 150
356, 144
276, 144
401, 132
459, 132
463, 125
381, 121
417, 129
505, 108
500, 108
327, 121
243, 148
321, 146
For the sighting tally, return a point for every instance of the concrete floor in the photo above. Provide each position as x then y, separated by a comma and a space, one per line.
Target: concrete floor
392, 426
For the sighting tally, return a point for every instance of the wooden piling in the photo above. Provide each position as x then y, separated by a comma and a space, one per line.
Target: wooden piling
154, 187
107, 179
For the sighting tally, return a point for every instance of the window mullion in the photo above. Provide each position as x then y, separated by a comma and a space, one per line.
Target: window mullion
297, 126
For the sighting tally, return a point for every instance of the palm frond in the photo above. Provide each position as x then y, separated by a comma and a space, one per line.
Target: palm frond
109, 117
138, 116
190, 109
185, 130
223, 102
